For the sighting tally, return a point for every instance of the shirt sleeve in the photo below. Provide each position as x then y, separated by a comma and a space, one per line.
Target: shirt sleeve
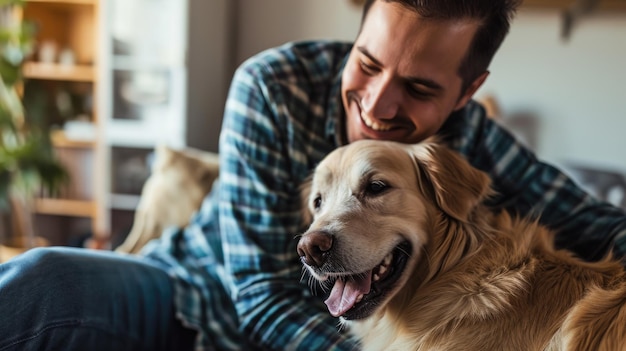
530, 187
259, 209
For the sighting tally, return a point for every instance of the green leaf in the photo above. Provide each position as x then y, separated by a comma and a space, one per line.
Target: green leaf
27, 160
12, 2
10, 73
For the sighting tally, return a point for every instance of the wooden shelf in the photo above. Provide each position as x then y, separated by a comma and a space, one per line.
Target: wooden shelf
59, 139
74, 26
65, 207
53, 71
78, 2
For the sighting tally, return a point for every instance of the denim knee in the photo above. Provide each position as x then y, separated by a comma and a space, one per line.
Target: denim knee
37, 266
98, 300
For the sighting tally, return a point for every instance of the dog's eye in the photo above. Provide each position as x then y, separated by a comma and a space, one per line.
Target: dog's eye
376, 187
317, 202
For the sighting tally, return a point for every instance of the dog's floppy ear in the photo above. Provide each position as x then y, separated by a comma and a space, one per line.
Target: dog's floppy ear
455, 185
305, 193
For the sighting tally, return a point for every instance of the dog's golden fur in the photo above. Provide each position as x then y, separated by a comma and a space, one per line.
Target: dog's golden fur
476, 279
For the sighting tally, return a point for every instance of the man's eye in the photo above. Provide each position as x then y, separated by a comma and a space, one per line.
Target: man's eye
417, 92
367, 69
376, 187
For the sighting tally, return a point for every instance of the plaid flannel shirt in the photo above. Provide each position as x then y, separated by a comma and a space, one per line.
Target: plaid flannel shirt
235, 267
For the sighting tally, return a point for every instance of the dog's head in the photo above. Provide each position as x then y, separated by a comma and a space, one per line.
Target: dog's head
371, 206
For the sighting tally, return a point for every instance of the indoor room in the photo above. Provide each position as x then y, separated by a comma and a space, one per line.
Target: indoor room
112, 80
312, 175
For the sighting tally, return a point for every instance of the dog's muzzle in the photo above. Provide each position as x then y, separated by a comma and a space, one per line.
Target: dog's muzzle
353, 296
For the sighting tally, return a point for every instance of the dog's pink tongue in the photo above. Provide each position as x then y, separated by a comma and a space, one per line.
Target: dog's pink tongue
344, 294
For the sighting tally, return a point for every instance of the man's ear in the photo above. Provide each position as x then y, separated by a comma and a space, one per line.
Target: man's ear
470, 90
446, 177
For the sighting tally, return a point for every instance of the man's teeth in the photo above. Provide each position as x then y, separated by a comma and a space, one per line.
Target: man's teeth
374, 125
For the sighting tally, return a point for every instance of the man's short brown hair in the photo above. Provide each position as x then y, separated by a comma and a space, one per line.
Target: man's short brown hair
494, 17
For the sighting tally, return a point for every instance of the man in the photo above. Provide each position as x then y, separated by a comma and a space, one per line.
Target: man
234, 272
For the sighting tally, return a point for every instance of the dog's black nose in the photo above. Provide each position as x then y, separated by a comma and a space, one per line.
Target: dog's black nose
313, 248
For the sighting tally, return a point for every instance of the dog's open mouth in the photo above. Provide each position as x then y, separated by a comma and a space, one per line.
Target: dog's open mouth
356, 296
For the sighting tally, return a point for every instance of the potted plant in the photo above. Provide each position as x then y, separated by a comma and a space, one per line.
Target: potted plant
27, 160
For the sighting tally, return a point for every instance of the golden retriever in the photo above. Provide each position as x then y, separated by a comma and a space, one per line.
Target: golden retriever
412, 259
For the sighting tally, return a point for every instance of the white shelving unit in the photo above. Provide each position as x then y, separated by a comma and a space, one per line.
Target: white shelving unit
165, 69
146, 72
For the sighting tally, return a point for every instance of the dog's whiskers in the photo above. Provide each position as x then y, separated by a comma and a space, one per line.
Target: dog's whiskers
315, 284
341, 326
404, 251
358, 276
304, 274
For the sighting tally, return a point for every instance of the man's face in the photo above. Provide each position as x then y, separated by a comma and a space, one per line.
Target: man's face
401, 80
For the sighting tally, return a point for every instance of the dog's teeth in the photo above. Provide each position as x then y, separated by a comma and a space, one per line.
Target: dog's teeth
387, 260
359, 298
376, 277
381, 271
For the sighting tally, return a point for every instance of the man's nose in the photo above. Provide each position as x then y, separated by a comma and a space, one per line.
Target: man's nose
382, 99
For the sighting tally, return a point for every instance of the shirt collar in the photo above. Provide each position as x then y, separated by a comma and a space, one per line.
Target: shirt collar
336, 121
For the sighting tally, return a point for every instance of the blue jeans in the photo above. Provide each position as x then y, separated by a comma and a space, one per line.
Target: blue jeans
78, 299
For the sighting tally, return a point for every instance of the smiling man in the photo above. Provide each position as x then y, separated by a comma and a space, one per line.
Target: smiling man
404, 89
231, 279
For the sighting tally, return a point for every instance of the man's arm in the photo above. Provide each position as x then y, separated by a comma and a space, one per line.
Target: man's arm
529, 187
259, 209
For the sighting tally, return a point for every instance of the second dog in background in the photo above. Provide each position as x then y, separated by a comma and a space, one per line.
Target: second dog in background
180, 180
